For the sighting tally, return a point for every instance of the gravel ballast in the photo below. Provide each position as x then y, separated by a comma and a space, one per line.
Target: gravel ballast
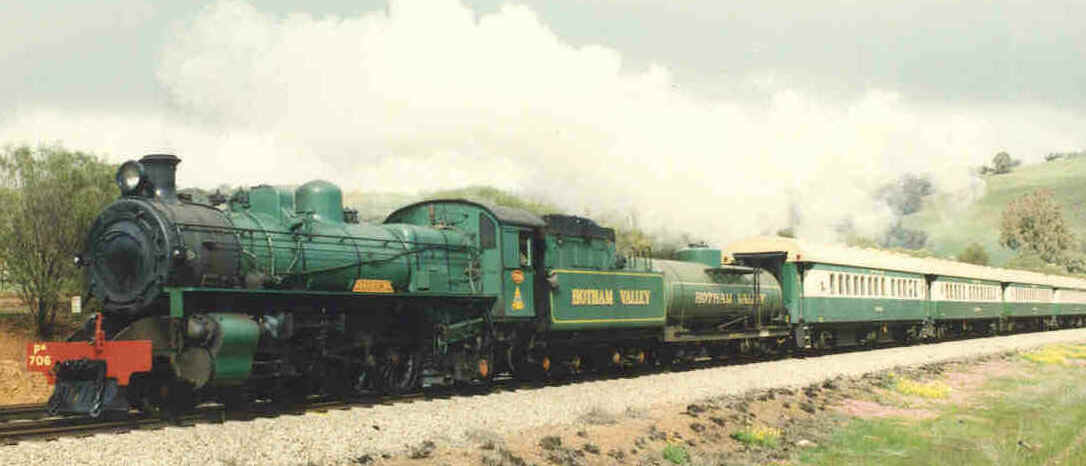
337, 437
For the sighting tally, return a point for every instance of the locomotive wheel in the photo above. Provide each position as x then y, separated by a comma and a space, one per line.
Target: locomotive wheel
293, 391
823, 340
175, 398
398, 371
481, 366
532, 367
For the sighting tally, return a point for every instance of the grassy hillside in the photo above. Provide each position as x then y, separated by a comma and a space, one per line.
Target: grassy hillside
952, 228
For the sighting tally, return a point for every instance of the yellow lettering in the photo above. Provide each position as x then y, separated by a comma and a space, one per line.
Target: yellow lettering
36, 360
713, 298
635, 297
592, 297
363, 285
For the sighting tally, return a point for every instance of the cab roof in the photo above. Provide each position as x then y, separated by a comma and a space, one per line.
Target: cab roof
506, 215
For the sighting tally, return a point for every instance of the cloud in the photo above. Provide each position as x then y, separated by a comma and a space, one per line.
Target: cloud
428, 95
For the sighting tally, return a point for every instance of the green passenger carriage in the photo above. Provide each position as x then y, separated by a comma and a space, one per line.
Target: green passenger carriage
843, 296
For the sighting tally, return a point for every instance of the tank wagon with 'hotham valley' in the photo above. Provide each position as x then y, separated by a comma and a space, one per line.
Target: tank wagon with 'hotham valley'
279, 293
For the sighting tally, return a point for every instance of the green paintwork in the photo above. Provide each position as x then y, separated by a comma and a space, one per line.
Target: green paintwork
611, 313
1028, 309
710, 257
571, 252
834, 309
859, 309
177, 302
320, 199
233, 355
724, 296
965, 310
792, 298
519, 300
466, 219
297, 239
1071, 309
879, 272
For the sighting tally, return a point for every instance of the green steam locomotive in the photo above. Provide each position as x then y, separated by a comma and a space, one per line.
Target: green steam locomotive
279, 293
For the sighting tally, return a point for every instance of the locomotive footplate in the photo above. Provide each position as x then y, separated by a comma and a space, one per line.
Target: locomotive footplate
83, 388
90, 376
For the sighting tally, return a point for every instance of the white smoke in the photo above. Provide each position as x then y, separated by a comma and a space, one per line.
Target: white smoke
427, 95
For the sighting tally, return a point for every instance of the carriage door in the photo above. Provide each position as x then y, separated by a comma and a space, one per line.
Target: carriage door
519, 274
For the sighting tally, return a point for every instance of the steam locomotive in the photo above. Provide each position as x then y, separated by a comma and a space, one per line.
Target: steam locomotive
280, 293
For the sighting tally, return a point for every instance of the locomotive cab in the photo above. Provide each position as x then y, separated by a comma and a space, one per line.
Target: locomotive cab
506, 241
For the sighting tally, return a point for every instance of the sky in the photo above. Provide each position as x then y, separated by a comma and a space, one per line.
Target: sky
727, 118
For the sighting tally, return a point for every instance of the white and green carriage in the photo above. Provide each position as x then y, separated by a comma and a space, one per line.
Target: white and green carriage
844, 296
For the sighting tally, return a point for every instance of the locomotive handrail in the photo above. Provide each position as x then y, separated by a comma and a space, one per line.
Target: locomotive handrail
316, 235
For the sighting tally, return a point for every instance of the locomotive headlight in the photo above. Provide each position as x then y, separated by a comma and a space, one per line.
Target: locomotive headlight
130, 176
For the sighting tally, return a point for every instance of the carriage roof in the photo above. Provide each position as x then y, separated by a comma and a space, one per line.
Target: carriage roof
803, 251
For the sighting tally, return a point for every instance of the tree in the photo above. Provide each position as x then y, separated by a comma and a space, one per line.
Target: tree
906, 195
1003, 163
1034, 224
1033, 262
789, 232
49, 197
906, 238
974, 254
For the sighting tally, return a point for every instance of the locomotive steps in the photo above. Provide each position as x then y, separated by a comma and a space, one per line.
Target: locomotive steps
342, 436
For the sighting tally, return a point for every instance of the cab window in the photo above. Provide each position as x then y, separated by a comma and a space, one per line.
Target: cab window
525, 245
487, 233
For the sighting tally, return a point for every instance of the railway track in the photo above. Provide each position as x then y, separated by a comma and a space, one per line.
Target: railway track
32, 422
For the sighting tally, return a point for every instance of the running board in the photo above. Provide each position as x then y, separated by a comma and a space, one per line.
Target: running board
680, 334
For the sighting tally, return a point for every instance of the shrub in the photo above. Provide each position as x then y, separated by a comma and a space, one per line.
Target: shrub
933, 389
675, 454
1056, 354
759, 436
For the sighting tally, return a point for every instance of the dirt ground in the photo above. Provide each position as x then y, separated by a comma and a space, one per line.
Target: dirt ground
717, 431
16, 384
10, 303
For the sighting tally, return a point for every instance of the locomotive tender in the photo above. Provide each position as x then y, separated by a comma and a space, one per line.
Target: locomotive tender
281, 293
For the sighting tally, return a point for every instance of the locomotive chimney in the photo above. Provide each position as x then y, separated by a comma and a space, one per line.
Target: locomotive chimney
161, 170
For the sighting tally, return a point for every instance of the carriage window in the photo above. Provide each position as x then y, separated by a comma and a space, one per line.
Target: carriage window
833, 283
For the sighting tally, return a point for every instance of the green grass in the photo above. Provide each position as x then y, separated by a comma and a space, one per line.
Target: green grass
1036, 419
933, 389
675, 454
950, 230
1056, 354
759, 436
